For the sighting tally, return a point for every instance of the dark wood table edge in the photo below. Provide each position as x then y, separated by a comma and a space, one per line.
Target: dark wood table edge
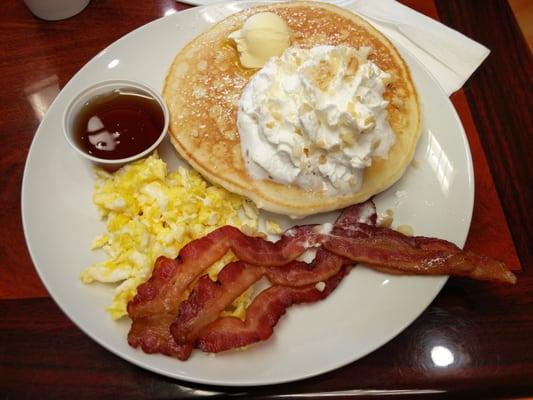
175, 388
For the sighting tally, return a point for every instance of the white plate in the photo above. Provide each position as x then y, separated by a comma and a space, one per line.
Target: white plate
366, 311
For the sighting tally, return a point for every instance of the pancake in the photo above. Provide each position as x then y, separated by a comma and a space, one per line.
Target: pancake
205, 81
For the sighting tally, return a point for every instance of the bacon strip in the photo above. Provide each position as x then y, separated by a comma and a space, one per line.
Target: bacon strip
364, 213
170, 278
262, 315
298, 273
162, 293
156, 304
152, 335
209, 299
353, 238
390, 251
326, 263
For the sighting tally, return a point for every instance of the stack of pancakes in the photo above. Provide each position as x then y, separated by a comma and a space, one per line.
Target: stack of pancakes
205, 82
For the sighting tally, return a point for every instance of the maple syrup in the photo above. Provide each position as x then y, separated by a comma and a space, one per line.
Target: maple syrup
118, 124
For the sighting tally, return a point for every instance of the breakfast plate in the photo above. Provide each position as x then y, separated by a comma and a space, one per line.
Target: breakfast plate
435, 197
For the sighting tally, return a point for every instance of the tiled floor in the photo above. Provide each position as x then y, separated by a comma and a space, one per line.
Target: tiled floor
523, 10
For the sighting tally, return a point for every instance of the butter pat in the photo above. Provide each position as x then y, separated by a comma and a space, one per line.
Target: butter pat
263, 35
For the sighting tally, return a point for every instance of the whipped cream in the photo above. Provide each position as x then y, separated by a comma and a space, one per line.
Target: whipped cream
315, 118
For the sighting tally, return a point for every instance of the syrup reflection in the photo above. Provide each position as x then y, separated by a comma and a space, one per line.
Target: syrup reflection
41, 94
439, 163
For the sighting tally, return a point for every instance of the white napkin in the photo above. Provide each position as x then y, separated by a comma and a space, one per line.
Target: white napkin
448, 55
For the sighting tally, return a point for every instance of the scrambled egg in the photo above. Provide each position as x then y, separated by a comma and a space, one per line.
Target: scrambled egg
151, 212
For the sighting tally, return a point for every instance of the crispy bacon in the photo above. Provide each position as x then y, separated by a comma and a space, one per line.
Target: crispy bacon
170, 278
364, 213
152, 335
298, 273
390, 251
209, 298
163, 292
262, 315
353, 238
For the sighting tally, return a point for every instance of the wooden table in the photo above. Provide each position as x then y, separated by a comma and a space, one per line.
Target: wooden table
489, 327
